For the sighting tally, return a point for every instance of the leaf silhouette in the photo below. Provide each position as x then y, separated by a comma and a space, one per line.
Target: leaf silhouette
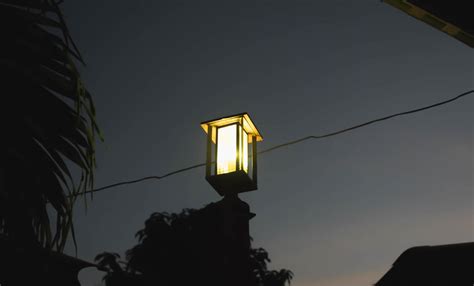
49, 119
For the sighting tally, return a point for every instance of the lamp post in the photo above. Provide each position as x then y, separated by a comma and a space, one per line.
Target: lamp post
231, 168
231, 161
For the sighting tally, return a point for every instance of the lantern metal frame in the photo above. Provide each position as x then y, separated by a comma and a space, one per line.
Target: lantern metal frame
239, 180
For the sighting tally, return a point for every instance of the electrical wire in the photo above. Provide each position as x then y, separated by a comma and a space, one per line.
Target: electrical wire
290, 142
144, 179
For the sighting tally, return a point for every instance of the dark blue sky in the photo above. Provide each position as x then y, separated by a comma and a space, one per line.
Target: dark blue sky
336, 211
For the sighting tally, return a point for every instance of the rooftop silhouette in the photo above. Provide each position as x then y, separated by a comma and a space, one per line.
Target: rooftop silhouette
441, 265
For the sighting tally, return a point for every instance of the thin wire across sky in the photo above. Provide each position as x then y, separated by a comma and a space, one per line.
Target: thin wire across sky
293, 142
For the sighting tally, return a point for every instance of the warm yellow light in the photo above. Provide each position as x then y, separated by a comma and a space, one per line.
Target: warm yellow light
245, 151
226, 149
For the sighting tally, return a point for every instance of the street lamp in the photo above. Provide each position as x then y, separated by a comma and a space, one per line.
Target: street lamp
231, 163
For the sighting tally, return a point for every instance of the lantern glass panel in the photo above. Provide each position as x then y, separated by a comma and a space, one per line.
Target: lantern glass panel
226, 149
245, 151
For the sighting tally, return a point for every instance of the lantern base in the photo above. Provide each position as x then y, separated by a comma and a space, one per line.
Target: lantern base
232, 183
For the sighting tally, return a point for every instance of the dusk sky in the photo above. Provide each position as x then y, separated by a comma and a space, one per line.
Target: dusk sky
336, 211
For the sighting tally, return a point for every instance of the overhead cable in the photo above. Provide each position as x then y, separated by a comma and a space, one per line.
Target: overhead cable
293, 142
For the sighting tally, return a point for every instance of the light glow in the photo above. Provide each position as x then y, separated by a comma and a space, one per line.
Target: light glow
226, 149
245, 151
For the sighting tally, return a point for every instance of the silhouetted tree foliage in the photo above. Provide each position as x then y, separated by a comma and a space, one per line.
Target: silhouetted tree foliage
167, 254
48, 124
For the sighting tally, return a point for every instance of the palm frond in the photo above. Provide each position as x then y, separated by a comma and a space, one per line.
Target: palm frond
49, 121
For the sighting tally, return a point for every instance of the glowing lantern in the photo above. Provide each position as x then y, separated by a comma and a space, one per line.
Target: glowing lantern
231, 164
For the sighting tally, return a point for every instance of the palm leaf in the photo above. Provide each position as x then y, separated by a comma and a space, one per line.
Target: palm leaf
51, 121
